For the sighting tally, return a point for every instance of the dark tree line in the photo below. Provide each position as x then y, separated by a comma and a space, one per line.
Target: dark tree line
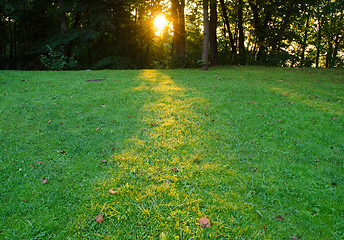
119, 34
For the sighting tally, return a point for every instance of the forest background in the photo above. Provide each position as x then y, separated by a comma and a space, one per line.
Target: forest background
118, 34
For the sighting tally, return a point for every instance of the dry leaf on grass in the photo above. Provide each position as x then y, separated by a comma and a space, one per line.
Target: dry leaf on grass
44, 180
204, 222
113, 192
99, 218
280, 218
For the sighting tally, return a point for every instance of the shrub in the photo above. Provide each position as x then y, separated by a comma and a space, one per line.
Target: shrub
57, 61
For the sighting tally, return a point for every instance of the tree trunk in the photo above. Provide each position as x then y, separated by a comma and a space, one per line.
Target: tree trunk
304, 43
260, 30
213, 33
332, 51
10, 28
284, 25
89, 58
3, 44
336, 49
64, 26
15, 59
329, 54
318, 45
182, 27
205, 36
231, 39
178, 22
75, 26
175, 20
242, 53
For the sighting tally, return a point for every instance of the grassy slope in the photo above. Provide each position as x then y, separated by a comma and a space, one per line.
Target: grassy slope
250, 144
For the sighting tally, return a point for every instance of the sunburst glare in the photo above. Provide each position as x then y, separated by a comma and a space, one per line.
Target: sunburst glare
160, 23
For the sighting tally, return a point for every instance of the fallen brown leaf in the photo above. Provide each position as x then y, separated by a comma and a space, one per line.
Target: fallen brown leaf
204, 222
99, 218
280, 218
44, 181
113, 192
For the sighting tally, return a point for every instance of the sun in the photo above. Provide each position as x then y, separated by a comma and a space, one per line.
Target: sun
160, 23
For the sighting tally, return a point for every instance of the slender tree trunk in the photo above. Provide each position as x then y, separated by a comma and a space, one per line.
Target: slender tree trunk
304, 43
205, 36
284, 25
318, 45
175, 23
2, 44
332, 51
231, 39
242, 53
64, 26
15, 56
329, 55
75, 26
260, 30
178, 22
10, 28
181, 15
336, 49
213, 33
225, 43
89, 57
2, 41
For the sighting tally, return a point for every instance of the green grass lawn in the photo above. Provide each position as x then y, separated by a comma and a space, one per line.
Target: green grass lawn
257, 151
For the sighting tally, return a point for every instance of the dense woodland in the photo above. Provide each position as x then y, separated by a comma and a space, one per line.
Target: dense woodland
118, 34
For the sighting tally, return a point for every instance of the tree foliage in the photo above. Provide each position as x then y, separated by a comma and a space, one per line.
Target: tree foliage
119, 34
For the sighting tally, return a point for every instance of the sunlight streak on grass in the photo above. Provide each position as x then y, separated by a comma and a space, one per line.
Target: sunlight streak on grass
166, 171
322, 104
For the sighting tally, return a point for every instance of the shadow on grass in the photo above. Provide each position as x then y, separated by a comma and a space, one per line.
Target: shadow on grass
57, 126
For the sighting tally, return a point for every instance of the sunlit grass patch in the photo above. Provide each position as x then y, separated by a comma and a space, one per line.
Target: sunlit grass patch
169, 177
